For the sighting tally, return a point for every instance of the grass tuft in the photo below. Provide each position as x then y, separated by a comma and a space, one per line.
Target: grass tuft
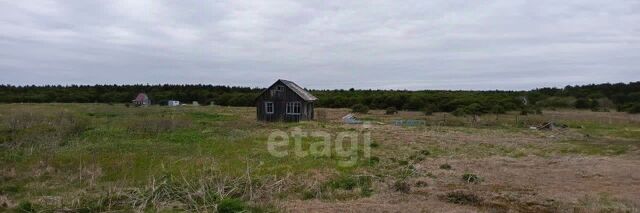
462, 198
401, 186
445, 166
471, 178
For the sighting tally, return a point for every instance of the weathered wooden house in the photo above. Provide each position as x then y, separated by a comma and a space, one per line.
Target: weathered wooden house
285, 101
141, 100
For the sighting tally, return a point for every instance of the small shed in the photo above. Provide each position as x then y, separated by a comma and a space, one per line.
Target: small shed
285, 101
141, 100
351, 119
173, 103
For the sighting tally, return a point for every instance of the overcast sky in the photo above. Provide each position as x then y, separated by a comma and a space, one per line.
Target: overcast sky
510, 44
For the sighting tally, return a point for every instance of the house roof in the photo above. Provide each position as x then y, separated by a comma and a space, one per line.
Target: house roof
304, 94
141, 97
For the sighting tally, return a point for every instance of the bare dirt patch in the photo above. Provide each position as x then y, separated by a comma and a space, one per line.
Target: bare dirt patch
531, 184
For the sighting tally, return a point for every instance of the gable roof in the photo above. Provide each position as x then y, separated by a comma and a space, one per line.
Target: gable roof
141, 97
304, 94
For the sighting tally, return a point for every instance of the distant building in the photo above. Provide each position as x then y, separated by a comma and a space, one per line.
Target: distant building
173, 103
285, 101
141, 100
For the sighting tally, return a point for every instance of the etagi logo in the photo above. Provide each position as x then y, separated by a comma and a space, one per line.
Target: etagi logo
348, 146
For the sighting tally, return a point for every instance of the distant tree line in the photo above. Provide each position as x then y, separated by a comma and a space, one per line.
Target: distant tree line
620, 96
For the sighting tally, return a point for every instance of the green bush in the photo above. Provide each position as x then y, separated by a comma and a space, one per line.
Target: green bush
634, 109
498, 109
427, 111
583, 103
391, 111
229, 205
557, 102
474, 109
308, 195
351, 183
346, 183
373, 160
25, 206
459, 112
538, 111
360, 108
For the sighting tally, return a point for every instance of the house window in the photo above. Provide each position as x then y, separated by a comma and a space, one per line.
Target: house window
268, 107
277, 90
293, 108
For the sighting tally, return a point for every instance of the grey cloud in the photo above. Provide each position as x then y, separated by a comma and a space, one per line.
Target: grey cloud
507, 44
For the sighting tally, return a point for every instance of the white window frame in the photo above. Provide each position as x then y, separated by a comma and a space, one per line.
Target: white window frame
291, 108
277, 90
266, 107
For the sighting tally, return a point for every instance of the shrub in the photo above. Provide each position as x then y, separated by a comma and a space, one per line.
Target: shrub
346, 183
474, 109
360, 108
498, 109
25, 206
595, 105
459, 112
419, 158
391, 111
352, 182
374, 145
538, 111
401, 186
425, 152
366, 191
556, 102
462, 198
634, 109
427, 111
374, 160
229, 205
445, 166
582, 103
308, 195
471, 178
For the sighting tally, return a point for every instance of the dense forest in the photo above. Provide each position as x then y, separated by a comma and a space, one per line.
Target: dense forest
620, 96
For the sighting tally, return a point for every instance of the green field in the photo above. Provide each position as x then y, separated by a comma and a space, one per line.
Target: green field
99, 157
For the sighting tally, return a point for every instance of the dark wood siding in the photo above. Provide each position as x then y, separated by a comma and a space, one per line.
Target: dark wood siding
280, 100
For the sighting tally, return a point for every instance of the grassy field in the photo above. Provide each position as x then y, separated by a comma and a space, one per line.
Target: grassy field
99, 157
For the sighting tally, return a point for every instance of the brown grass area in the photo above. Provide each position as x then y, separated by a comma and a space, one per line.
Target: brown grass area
520, 170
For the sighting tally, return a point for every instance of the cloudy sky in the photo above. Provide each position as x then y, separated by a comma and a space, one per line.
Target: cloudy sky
448, 44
